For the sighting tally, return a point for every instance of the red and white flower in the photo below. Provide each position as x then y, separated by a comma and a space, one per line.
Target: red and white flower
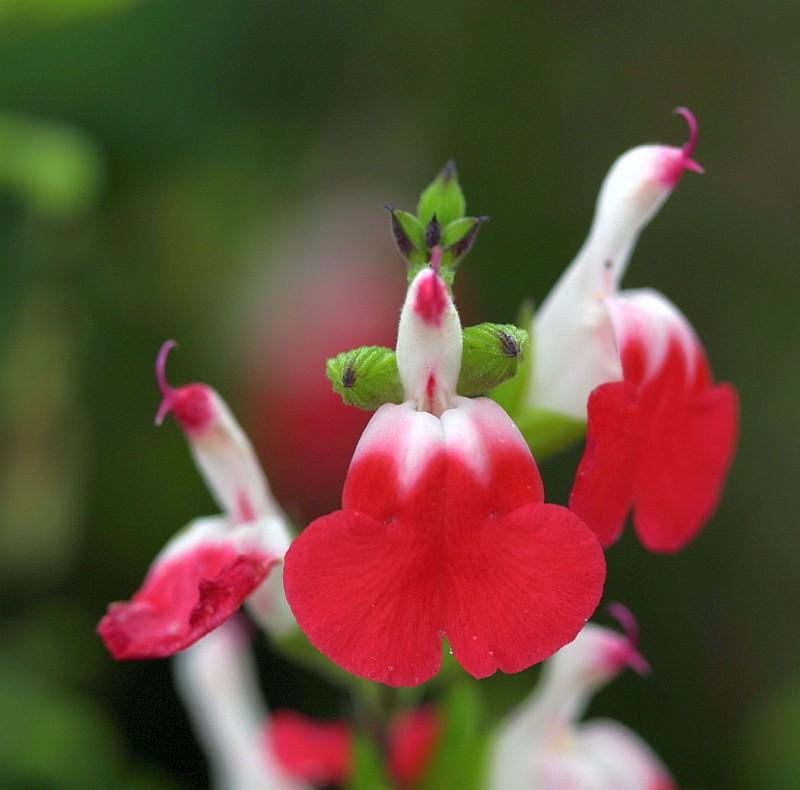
250, 748
543, 744
205, 573
218, 683
661, 434
443, 531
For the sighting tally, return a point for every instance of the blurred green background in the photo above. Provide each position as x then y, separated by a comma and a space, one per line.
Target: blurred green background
214, 172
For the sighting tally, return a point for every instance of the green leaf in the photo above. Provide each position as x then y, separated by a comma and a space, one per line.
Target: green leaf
460, 755
366, 377
443, 198
492, 354
368, 771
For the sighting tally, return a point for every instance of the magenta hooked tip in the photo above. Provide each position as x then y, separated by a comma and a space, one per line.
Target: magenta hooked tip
694, 134
630, 627
161, 379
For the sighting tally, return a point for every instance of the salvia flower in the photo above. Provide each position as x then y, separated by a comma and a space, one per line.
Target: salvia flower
205, 573
250, 748
661, 434
543, 744
443, 531
323, 752
218, 683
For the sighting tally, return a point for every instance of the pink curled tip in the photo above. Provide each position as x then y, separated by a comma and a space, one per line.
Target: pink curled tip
161, 378
691, 144
634, 659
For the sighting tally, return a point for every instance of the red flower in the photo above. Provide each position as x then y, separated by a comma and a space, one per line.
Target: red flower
443, 531
319, 752
206, 572
543, 743
661, 436
660, 441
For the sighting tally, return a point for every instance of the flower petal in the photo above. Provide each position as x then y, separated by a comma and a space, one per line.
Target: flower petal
464, 549
413, 738
219, 446
621, 757
319, 752
661, 442
218, 682
604, 485
429, 343
574, 350
196, 583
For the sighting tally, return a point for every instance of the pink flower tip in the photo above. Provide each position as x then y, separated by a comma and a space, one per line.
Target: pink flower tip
431, 298
629, 654
167, 392
676, 161
192, 405
691, 143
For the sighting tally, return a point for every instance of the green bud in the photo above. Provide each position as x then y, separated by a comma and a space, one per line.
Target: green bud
492, 354
443, 198
511, 393
366, 377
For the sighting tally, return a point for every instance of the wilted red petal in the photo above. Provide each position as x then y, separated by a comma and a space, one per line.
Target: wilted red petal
184, 596
464, 548
412, 742
315, 751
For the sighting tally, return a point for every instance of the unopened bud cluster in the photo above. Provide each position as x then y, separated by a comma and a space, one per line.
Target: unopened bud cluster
440, 222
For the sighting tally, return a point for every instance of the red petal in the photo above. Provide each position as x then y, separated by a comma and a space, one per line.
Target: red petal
603, 488
459, 553
315, 751
661, 442
412, 741
679, 483
183, 597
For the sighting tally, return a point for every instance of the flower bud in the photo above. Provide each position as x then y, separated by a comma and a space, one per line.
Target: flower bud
443, 198
221, 450
429, 344
366, 377
492, 353
575, 346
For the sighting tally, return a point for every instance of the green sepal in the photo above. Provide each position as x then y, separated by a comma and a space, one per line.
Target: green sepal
443, 197
366, 377
409, 236
461, 752
511, 393
548, 432
492, 354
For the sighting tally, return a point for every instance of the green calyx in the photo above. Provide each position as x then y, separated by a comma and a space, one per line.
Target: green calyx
492, 354
368, 377
440, 222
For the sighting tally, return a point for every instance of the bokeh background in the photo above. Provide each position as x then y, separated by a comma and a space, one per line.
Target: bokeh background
214, 171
